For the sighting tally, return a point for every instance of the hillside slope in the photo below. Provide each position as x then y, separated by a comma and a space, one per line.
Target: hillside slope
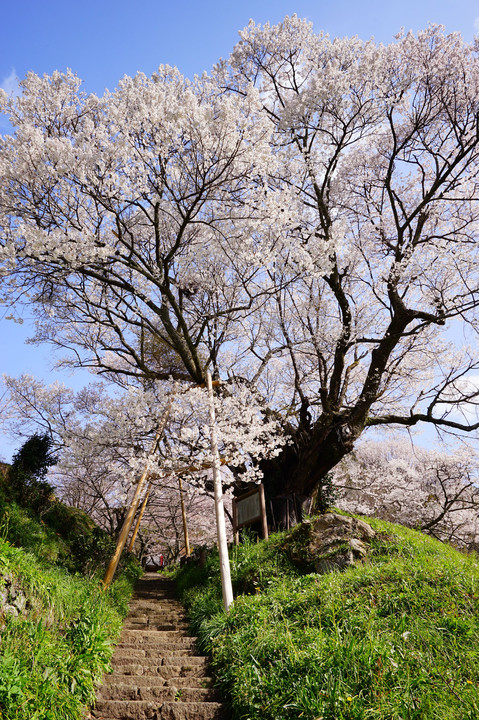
393, 637
57, 625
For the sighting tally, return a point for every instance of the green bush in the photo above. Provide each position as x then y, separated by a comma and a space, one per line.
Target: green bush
65, 536
54, 652
68, 522
22, 530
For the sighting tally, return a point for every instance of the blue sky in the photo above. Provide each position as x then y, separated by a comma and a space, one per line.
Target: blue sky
102, 41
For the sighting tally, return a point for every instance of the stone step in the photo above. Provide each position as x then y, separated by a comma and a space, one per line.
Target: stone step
166, 616
157, 674
124, 691
132, 635
161, 597
156, 610
158, 649
155, 617
149, 653
158, 626
166, 672
146, 709
156, 607
155, 595
163, 619
142, 637
175, 635
163, 660
203, 681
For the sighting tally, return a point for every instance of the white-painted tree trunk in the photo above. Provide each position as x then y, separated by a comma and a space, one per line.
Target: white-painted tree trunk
219, 508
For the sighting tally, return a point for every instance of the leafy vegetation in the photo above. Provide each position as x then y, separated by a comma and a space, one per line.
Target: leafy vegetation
394, 638
57, 625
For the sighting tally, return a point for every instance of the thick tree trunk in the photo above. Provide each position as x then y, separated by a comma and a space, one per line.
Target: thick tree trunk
292, 479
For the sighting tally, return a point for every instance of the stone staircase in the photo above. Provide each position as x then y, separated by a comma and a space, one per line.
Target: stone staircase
157, 673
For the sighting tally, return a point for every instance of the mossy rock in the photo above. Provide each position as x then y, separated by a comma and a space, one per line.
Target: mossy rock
329, 542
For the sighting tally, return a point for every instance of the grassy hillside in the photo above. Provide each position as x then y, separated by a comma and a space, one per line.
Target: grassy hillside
394, 638
57, 626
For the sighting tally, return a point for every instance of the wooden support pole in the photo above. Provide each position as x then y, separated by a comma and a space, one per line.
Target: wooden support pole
124, 532
183, 515
140, 517
235, 522
219, 508
264, 520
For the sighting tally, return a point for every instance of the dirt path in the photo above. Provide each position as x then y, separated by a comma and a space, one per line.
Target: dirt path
157, 673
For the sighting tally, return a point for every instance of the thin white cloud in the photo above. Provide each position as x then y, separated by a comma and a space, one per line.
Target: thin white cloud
11, 84
476, 25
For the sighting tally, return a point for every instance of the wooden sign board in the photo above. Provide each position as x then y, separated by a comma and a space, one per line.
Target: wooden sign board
248, 509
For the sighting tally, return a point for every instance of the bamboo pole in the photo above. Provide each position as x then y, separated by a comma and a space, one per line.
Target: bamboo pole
183, 515
136, 498
219, 508
139, 519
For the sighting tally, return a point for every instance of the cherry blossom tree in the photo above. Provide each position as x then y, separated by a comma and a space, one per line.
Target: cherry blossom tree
132, 221
303, 223
379, 147
161, 530
103, 440
430, 490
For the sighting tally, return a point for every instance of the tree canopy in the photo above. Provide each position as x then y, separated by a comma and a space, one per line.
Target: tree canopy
303, 222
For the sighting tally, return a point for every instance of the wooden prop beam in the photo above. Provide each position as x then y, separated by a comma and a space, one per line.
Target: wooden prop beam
125, 529
140, 517
183, 516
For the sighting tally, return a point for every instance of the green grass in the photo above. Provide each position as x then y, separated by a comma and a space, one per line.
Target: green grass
392, 639
54, 653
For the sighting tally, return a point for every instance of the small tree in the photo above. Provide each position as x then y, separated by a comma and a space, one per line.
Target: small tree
28, 471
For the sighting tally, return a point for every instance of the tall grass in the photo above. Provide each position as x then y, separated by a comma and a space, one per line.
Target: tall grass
392, 639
